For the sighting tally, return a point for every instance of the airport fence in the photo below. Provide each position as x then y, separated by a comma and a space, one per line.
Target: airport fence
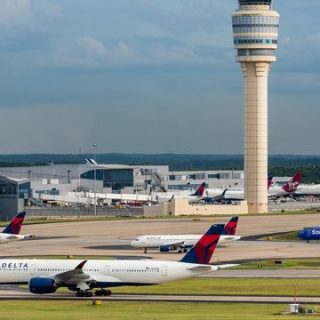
68, 212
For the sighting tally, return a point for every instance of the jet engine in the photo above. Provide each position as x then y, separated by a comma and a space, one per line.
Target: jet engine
42, 285
164, 248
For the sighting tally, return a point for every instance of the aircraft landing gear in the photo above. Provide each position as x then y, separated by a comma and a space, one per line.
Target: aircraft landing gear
81, 294
145, 250
185, 250
103, 292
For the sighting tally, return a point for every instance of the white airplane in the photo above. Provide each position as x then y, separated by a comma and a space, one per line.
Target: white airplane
182, 242
288, 189
196, 196
274, 191
308, 190
12, 230
46, 276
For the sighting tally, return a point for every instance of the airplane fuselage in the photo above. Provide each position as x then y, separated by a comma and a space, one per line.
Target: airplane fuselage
309, 234
7, 237
102, 273
182, 241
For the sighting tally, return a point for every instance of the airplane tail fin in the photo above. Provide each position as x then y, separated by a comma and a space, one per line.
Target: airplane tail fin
270, 182
91, 162
293, 184
231, 227
200, 191
14, 226
202, 252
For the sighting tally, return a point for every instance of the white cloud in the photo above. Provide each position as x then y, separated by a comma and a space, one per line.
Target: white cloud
162, 54
16, 14
90, 52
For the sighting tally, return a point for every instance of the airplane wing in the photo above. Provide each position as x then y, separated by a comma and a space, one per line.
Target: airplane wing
174, 245
208, 268
75, 276
201, 268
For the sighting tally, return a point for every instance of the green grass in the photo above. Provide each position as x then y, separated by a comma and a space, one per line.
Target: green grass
84, 310
297, 264
289, 236
60, 218
227, 286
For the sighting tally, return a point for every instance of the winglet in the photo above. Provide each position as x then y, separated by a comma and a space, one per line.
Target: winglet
14, 226
231, 227
81, 265
202, 252
224, 192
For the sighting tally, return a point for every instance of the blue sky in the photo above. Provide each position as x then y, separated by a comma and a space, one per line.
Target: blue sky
148, 76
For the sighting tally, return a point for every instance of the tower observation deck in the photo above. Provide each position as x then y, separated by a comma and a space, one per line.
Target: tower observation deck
255, 34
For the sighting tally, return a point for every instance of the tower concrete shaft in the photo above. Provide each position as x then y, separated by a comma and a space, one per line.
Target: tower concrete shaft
255, 29
256, 135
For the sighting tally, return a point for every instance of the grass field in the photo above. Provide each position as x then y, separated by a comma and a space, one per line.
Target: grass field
61, 218
289, 236
311, 263
227, 286
84, 310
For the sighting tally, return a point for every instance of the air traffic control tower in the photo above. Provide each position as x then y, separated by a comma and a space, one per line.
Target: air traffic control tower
255, 33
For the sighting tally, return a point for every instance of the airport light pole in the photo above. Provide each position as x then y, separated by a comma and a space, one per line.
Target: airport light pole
94, 180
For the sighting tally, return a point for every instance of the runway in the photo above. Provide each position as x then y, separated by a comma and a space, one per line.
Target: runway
25, 295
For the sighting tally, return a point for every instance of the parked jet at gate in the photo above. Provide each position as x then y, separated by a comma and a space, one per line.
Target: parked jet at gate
230, 195
196, 196
288, 189
220, 198
274, 191
182, 242
46, 276
309, 234
12, 230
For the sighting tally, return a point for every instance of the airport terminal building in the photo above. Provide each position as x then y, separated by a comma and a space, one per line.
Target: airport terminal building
78, 184
114, 178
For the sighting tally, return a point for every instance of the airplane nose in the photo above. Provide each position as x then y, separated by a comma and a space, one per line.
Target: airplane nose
133, 243
301, 235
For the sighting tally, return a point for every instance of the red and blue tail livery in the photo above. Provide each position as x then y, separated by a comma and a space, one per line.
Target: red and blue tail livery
202, 252
200, 191
270, 182
15, 225
231, 227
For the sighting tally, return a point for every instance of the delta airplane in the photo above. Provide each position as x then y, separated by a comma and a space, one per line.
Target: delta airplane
182, 242
196, 196
228, 195
12, 230
46, 276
